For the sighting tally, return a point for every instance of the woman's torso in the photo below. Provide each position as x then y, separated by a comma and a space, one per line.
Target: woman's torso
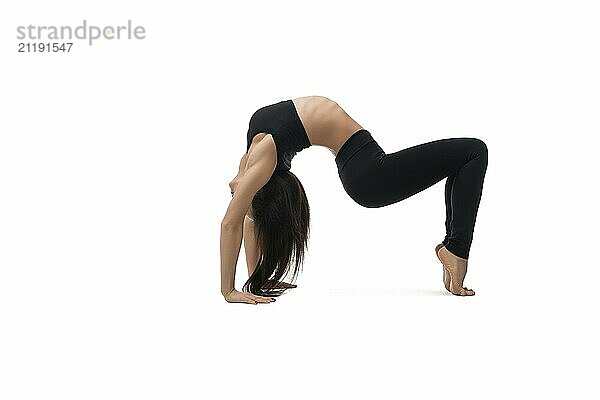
325, 122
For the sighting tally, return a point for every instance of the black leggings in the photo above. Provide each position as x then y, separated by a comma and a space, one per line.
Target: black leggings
373, 178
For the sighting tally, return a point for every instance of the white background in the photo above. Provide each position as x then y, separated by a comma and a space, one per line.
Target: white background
114, 165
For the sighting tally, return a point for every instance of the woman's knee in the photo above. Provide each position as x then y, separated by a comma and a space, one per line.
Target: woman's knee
479, 147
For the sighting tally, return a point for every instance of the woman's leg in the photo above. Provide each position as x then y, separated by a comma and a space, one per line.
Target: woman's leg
373, 178
463, 161
463, 195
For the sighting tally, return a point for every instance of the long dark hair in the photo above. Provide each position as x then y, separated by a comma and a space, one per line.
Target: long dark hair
282, 225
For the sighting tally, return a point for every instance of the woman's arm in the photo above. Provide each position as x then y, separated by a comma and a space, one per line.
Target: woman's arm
258, 173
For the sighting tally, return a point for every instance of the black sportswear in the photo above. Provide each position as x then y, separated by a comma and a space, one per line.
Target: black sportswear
282, 121
373, 178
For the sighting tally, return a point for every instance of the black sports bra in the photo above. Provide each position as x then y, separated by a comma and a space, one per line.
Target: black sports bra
282, 121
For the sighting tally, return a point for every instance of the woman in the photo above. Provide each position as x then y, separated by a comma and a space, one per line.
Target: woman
269, 209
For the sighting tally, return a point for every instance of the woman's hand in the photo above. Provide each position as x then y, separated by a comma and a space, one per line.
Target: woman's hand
240, 297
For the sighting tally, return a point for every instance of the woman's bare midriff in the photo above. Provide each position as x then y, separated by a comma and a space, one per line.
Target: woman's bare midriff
325, 122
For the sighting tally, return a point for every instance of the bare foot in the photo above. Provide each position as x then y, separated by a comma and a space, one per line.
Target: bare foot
446, 277
456, 267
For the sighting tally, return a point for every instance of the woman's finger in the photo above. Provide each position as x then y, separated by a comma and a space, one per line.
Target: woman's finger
261, 299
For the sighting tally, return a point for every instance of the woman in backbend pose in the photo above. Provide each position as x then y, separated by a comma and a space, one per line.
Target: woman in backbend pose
269, 209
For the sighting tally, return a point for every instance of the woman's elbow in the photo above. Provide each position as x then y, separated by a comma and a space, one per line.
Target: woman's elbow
231, 224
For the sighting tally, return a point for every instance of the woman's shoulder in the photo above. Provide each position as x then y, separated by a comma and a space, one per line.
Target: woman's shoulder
262, 148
